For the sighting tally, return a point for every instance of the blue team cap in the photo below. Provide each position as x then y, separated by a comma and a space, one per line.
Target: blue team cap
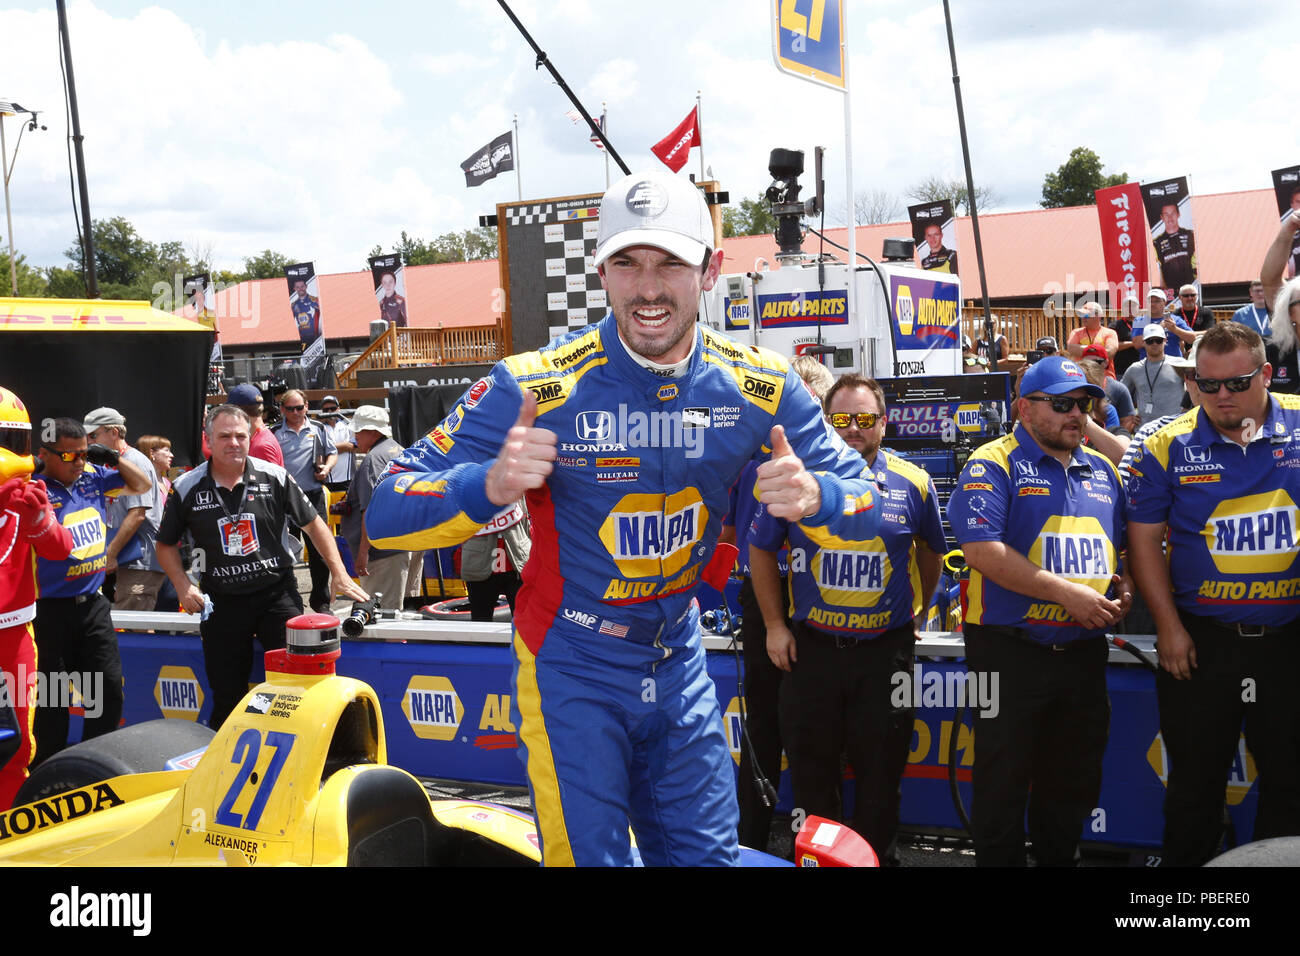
1056, 375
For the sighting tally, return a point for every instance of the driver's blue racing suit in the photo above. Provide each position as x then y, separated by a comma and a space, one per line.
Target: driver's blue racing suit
618, 721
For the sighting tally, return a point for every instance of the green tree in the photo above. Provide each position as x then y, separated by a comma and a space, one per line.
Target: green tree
1077, 180
750, 217
466, 246
127, 265
31, 282
935, 188
267, 264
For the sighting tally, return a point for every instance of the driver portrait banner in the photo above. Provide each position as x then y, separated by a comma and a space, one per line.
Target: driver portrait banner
1168, 205
304, 303
390, 288
1123, 239
934, 231
1286, 185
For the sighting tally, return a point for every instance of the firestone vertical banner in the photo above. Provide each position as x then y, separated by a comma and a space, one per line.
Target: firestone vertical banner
1168, 206
304, 301
390, 288
934, 230
1123, 240
1286, 184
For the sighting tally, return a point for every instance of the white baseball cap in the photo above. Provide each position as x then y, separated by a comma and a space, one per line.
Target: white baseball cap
657, 209
373, 418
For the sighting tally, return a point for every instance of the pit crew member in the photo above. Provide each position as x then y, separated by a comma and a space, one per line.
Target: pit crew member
627, 437
1041, 521
1222, 482
27, 525
235, 506
74, 625
854, 607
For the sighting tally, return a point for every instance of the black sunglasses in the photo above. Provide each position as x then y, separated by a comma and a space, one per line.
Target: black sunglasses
1239, 383
865, 420
293, 408
1061, 404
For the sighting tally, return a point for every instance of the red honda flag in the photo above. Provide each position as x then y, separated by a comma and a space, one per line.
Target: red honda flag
675, 148
1124, 239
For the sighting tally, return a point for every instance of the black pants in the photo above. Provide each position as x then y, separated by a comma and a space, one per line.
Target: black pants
76, 635
837, 699
320, 598
228, 634
1200, 720
1048, 735
762, 696
483, 594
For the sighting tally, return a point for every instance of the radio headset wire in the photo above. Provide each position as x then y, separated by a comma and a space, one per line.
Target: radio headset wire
889, 305
763, 786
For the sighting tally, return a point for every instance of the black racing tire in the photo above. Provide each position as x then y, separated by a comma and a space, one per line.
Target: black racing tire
140, 748
457, 609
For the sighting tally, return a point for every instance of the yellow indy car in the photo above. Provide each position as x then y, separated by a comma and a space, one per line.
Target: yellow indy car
297, 775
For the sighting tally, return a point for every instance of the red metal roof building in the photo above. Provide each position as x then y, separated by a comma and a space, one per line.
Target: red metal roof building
1028, 255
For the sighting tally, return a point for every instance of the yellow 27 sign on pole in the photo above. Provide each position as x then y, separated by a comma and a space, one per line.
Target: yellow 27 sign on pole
807, 40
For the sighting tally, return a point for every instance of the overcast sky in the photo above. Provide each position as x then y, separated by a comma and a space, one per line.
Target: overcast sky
319, 130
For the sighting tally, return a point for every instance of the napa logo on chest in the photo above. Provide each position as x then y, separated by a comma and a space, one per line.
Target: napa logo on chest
432, 707
87, 529
852, 577
1255, 534
1077, 549
651, 535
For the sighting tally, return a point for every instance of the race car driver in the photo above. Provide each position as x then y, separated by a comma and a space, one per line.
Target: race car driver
627, 438
27, 524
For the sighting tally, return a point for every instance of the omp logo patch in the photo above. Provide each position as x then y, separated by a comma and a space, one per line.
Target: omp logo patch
547, 392
852, 578
1077, 549
432, 707
87, 530
178, 693
1253, 535
654, 535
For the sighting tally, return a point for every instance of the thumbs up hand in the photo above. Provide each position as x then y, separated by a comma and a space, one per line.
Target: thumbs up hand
783, 485
525, 458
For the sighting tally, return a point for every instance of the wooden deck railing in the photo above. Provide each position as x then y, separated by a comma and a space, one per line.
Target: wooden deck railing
1024, 327
407, 347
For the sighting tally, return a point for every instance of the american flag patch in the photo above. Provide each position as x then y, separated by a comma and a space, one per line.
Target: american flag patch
612, 629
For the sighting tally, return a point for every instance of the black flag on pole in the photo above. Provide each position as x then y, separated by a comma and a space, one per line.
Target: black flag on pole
497, 156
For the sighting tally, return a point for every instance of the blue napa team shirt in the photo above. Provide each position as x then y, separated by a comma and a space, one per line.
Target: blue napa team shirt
862, 587
81, 509
1231, 513
1069, 521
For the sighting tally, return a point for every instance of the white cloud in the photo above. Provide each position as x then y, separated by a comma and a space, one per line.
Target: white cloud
319, 132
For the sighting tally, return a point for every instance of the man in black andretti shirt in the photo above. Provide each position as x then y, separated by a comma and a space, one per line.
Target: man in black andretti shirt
235, 507
1176, 249
937, 258
392, 307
